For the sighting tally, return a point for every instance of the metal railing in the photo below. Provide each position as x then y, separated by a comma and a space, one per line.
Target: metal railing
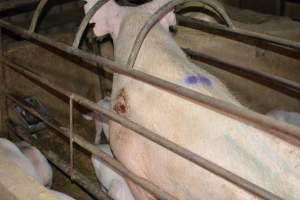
286, 132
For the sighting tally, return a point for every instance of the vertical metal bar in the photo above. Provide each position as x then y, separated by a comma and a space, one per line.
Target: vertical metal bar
3, 86
36, 15
71, 139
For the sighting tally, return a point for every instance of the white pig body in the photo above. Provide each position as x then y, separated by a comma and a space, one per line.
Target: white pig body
39, 162
60, 195
246, 151
11, 153
115, 184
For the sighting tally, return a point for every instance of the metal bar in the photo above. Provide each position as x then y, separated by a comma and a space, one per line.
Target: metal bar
12, 4
237, 33
162, 12
71, 139
283, 85
3, 87
115, 165
86, 20
78, 177
281, 130
183, 152
37, 14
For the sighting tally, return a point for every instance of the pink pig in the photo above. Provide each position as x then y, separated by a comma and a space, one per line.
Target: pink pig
251, 153
9, 152
38, 160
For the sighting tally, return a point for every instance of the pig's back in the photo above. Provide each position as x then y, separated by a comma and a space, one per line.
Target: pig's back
239, 148
10, 153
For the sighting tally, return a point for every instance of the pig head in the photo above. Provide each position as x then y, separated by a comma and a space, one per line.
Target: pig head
246, 151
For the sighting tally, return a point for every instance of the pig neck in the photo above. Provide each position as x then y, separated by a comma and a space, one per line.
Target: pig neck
160, 56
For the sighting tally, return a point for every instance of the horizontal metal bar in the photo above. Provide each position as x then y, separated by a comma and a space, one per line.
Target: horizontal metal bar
198, 160
282, 130
221, 29
117, 166
12, 4
78, 177
282, 85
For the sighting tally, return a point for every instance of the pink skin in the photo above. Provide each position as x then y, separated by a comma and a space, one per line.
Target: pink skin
108, 19
10, 153
40, 163
238, 147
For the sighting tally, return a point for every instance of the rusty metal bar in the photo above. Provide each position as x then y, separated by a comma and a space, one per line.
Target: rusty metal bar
183, 152
37, 14
12, 4
115, 165
283, 85
236, 33
86, 20
78, 177
282, 130
162, 12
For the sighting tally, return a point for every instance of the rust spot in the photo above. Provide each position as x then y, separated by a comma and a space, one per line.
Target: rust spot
121, 103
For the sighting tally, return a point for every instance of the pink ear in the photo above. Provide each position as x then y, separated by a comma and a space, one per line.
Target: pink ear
105, 18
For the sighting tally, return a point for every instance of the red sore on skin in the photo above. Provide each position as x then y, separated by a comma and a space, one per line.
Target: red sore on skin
121, 106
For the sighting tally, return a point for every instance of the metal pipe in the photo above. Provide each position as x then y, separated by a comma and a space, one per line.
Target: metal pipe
86, 20
37, 14
198, 160
3, 87
71, 139
115, 165
78, 177
237, 33
281, 130
12, 4
283, 85
162, 12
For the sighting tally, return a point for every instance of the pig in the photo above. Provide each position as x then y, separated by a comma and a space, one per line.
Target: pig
112, 182
285, 116
39, 162
101, 122
11, 153
60, 195
246, 91
247, 151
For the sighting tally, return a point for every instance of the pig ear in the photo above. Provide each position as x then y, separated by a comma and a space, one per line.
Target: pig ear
105, 18
168, 20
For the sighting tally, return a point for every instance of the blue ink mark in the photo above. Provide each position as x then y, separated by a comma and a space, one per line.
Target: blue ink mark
194, 79
204, 80
191, 79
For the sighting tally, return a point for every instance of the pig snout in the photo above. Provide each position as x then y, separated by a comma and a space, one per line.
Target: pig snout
9, 152
115, 184
60, 195
39, 162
